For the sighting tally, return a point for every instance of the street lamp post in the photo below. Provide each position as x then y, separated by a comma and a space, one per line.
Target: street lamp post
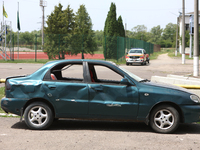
183, 33
196, 39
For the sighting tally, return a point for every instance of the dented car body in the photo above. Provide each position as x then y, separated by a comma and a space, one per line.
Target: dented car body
93, 89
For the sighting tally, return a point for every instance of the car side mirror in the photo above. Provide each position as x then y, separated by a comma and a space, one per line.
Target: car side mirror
126, 52
124, 81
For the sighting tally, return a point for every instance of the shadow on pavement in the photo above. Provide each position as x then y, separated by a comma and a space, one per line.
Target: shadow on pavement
109, 126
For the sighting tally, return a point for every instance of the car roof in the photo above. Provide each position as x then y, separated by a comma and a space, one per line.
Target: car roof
136, 49
81, 60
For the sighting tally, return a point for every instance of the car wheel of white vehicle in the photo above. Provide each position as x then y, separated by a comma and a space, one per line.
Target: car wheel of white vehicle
38, 116
164, 119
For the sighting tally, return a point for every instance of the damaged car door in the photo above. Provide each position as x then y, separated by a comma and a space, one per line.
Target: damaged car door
67, 90
109, 96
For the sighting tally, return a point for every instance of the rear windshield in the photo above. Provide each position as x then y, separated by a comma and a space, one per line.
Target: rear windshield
135, 51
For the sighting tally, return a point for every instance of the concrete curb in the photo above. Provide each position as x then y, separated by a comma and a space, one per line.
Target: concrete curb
10, 115
183, 77
192, 84
172, 80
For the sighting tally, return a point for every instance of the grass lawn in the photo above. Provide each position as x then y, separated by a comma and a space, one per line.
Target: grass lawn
163, 51
1, 96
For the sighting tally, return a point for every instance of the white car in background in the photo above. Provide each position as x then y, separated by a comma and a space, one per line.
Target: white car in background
137, 55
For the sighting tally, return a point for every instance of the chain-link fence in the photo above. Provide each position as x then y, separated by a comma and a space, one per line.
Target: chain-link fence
117, 47
65, 46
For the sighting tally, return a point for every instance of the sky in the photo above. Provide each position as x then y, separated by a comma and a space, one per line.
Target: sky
150, 13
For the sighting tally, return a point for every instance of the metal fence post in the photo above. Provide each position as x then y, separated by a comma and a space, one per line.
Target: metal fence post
13, 52
59, 47
35, 47
117, 48
83, 46
105, 48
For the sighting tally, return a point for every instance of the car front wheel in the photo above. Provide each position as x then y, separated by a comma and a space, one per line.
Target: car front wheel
164, 119
38, 116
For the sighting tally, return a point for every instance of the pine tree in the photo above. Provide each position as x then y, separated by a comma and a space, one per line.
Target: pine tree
111, 26
121, 31
112, 29
60, 27
83, 39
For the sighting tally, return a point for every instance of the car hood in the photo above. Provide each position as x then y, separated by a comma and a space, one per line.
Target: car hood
169, 86
135, 54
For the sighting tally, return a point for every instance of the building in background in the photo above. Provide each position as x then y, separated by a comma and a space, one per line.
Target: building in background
189, 25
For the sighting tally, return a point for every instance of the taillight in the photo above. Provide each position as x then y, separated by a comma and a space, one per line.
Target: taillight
127, 56
8, 86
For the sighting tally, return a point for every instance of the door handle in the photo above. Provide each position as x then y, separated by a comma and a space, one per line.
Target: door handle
96, 88
51, 86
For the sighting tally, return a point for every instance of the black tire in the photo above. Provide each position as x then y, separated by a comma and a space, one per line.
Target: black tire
127, 64
38, 116
164, 119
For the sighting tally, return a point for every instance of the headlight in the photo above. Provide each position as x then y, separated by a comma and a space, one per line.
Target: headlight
195, 98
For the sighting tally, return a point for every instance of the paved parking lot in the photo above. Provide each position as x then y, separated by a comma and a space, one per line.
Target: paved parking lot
70, 134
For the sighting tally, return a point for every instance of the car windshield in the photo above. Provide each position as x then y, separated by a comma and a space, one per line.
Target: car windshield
135, 51
131, 74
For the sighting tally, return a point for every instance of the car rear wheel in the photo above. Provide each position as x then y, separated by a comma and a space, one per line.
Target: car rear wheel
38, 116
164, 119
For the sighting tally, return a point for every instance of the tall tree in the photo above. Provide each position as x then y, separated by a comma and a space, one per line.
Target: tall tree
169, 35
169, 32
110, 33
60, 26
83, 39
121, 31
99, 37
26, 38
111, 25
140, 33
155, 35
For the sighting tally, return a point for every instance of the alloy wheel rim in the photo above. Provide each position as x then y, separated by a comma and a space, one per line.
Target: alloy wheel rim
38, 116
164, 119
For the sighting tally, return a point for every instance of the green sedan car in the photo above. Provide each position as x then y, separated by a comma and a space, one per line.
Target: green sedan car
97, 90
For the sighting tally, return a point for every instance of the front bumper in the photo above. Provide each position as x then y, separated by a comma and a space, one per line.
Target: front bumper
13, 105
191, 113
130, 60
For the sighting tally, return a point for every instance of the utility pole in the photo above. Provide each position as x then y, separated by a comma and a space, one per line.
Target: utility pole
125, 38
177, 37
18, 34
43, 4
183, 33
191, 33
196, 39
